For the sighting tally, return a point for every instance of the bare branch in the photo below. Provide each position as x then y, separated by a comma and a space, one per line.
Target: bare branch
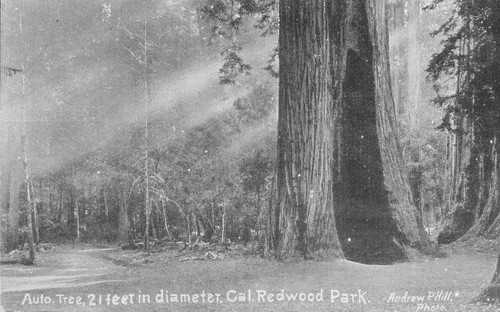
10, 71
135, 56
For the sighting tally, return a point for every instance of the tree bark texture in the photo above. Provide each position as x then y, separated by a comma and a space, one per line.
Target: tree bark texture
473, 175
413, 101
488, 222
471, 191
340, 187
398, 42
413, 98
402, 209
461, 184
494, 197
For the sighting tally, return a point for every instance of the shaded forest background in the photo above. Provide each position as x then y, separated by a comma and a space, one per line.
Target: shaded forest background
81, 101
114, 120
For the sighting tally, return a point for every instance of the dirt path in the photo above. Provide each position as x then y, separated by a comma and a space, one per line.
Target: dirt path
59, 269
63, 275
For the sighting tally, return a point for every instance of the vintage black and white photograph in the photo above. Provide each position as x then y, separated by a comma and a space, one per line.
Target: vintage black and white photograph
250, 155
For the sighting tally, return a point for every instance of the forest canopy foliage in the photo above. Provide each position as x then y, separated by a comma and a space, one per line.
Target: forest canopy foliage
469, 62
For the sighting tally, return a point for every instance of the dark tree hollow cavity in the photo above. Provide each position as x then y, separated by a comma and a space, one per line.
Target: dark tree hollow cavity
364, 223
340, 188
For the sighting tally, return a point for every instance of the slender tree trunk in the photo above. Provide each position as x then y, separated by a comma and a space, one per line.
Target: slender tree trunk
29, 211
259, 213
223, 236
123, 223
134, 226
98, 203
165, 224
77, 217
188, 217
146, 133
24, 143
60, 203
340, 186
156, 228
198, 231
206, 224
36, 229
70, 210
6, 135
27, 178
11, 171
106, 206
4, 161
16, 177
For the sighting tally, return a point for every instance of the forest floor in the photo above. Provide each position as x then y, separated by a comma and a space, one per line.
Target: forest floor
81, 278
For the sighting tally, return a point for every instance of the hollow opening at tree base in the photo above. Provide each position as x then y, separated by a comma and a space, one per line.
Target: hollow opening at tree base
369, 241
365, 226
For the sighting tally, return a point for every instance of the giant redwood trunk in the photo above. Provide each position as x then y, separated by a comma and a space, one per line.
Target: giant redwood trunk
490, 218
340, 186
493, 229
488, 222
462, 188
